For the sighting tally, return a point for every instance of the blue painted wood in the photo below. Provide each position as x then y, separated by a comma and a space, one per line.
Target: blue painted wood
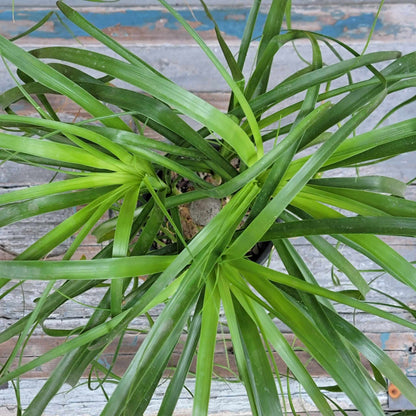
336, 21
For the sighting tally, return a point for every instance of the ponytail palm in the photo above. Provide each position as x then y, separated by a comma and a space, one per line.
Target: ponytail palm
265, 196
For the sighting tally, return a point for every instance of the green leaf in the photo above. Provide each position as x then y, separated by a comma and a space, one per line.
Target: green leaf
256, 229
161, 89
71, 130
318, 345
51, 386
289, 88
378, 153
68, 289
149, 362
280, 344
206, 349
121, 243
27, 330
47, 76
163, 337
242, 365
245, 266
228, 55
90, 181
15, 212
248, 33
372, 139
125, 138
55, 151
272, 27
256, 169
280, 167
376, 356
88, 218
316, 308
350, 225
335, 257
97, 34
237, 92
84, 269
34, 27
383, 204
263, 64
369, 245
62, 349
384, 255
177, 382
92, 212
258, 364
149, 232
380, 184
175, 129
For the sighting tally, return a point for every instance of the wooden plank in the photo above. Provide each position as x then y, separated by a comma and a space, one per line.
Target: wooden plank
13, 176
228, 399
164, 45
74, 314
187, 65
183, 3
400, 347
152, 22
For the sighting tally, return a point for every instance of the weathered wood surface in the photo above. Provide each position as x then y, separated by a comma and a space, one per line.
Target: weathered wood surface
160, 41
14, 238
142, 20
228, 400
400, 347
183, 3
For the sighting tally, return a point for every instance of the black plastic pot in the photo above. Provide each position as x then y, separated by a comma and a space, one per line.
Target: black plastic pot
260, 252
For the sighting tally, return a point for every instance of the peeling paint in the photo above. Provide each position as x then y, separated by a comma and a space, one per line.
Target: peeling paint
356, 27
104, 363
333, 22
231, 21
384, 337
134, 341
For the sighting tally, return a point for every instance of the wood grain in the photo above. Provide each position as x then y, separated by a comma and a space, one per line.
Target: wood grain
400, 346
171, 51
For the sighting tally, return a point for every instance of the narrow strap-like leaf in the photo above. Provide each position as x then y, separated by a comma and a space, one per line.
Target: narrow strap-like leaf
318, 345
121, 242
162, 89
270, 213
238, 93
248, 33
206, 349
178, 380
56, 81
85, 269
280, 344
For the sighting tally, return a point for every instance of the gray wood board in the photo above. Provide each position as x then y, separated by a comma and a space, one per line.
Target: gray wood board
16, 237
189, 67
183, 3
400, 346
185, 64
73, 314
138, 22
228, 399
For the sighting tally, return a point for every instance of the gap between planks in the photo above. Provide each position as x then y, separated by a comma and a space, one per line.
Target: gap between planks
400, 346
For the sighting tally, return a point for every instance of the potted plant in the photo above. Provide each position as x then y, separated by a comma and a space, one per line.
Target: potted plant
259, 197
